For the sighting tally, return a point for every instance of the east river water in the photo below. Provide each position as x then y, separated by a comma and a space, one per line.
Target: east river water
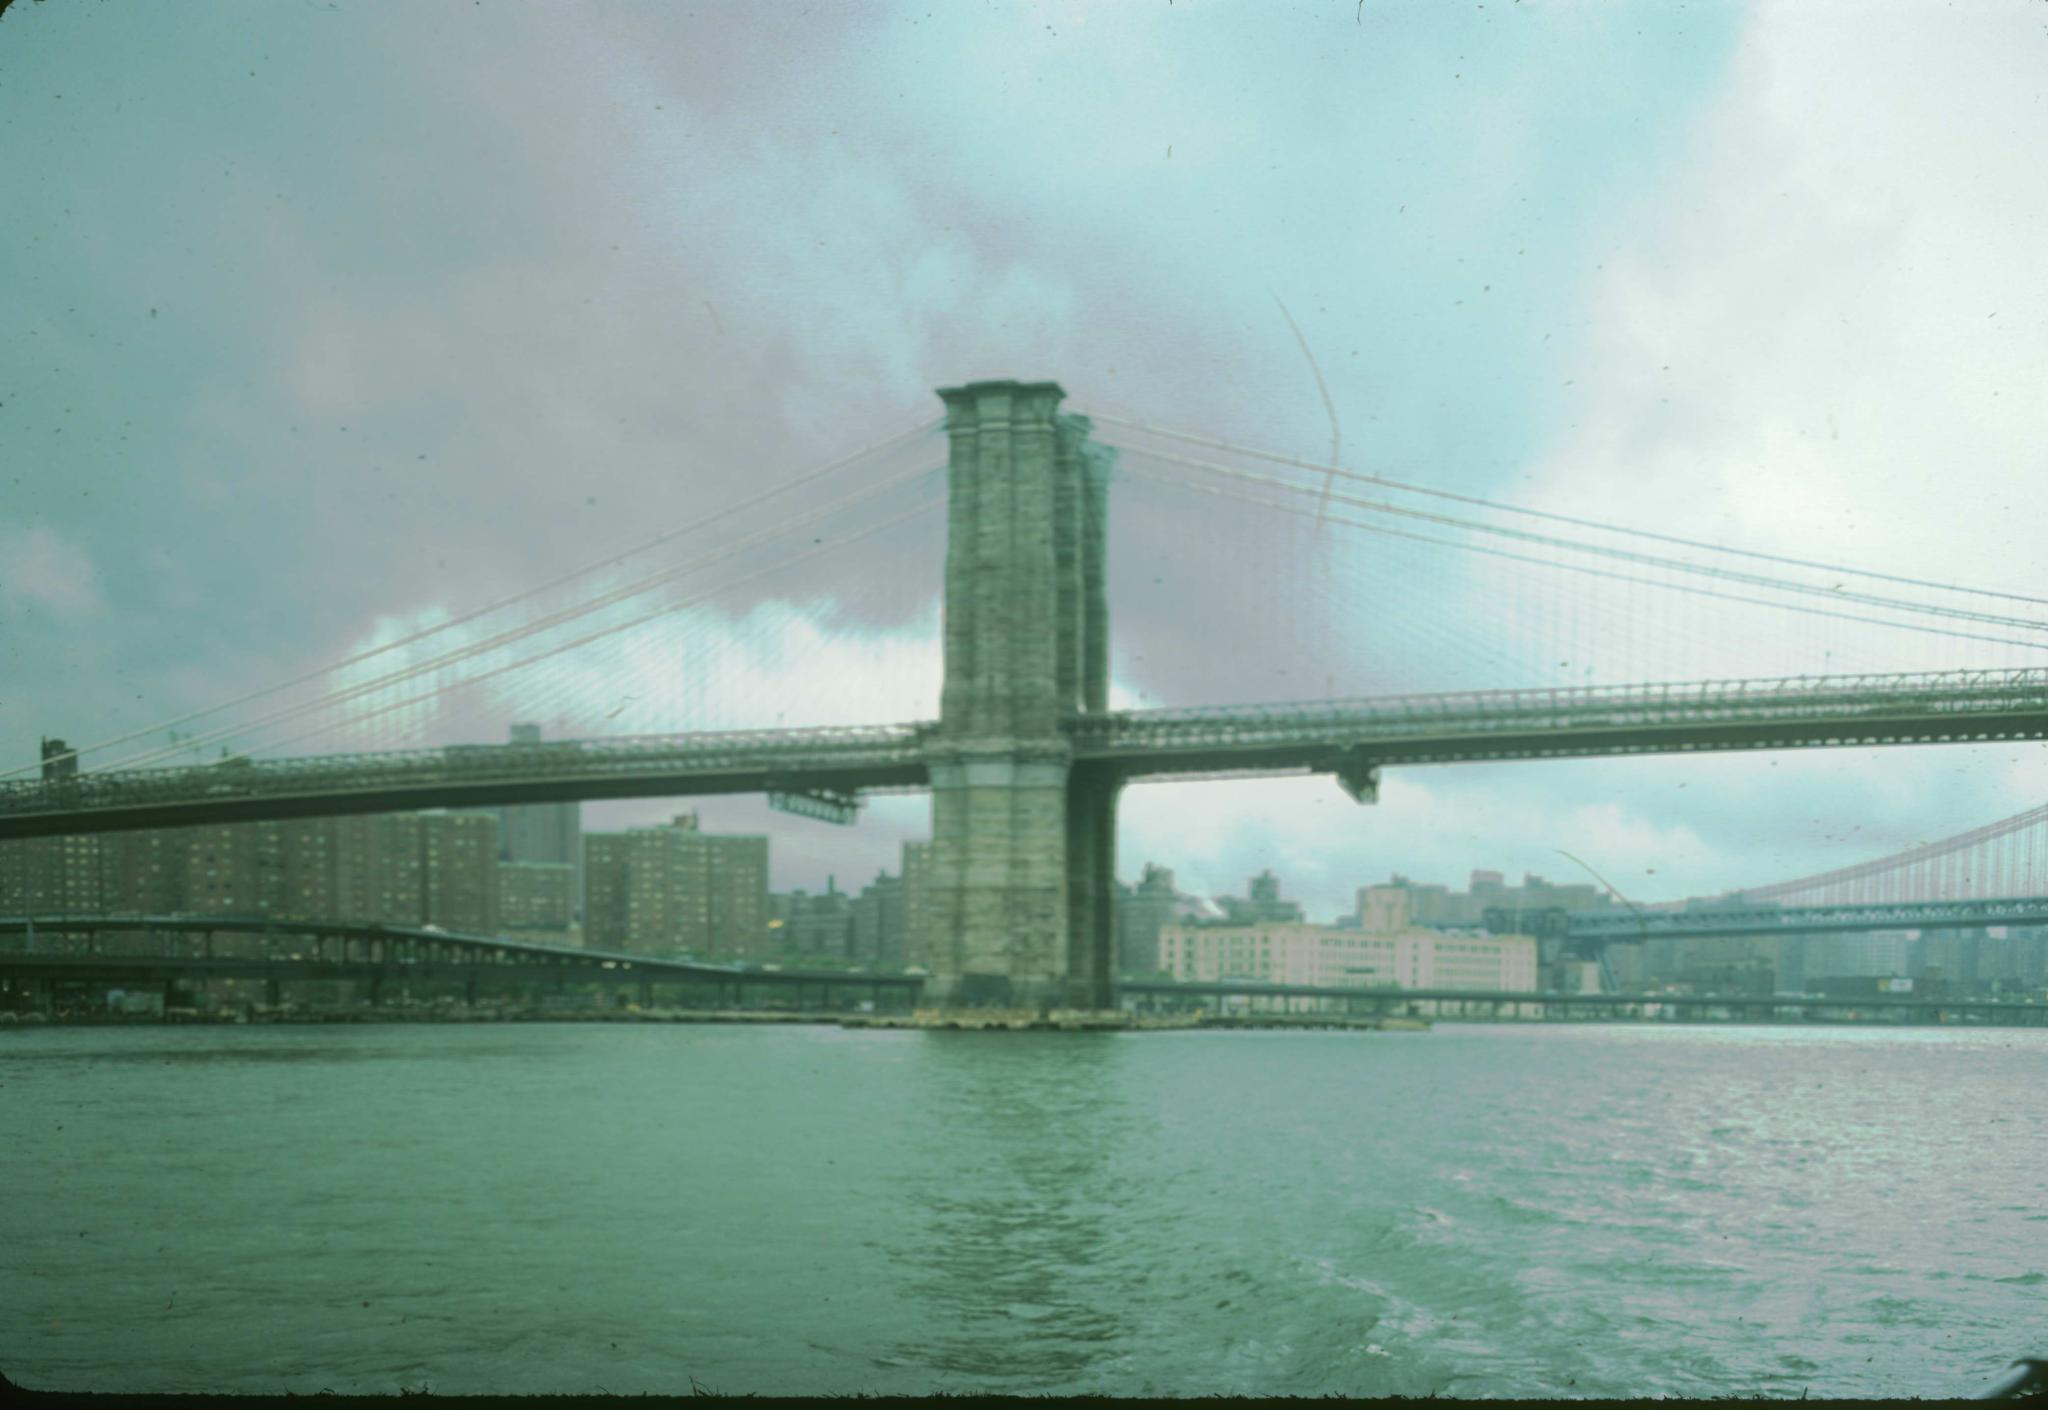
1477, 1211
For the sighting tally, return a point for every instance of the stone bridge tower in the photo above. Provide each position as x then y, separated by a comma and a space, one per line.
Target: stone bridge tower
1021, 901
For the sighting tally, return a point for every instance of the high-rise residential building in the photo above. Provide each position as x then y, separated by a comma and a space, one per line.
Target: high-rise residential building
235, 869
536, 901
380, 868
543, 832
814, 925
736, 925
607, 896
310, 868
625, 894
459, 869
879, 923
917, 916
674, 889
396, 868
144, 871
42, 875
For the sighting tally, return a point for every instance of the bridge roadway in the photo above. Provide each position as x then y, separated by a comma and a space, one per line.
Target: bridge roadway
1350, 738
1680, 717
344, 950
467, 776
1611, 926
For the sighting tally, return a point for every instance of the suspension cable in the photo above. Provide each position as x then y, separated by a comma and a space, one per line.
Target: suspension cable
717, 516
589, 637
1605, 550
345, 694
1386, 482
1608, 573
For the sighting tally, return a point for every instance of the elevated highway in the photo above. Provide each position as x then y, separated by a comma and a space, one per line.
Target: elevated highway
307, 949
387, 955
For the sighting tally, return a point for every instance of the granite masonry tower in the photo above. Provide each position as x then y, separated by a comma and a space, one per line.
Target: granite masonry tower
1023, 841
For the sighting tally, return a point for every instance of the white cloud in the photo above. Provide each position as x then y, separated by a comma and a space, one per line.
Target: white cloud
1823, 334
777, 664
1820, 335
40, 569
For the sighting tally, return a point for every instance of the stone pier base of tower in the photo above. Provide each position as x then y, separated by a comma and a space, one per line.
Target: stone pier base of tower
1022, 892
1017, 915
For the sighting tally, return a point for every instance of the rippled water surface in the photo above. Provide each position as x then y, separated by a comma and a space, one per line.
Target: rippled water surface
1479, 1210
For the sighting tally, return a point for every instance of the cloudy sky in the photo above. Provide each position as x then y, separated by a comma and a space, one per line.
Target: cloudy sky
324, 324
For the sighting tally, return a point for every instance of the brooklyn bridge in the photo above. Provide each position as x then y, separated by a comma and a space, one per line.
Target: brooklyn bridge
1026, 759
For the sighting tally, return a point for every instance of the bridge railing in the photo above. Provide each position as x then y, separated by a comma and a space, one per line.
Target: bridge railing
844, 747
893, 754
1959, 693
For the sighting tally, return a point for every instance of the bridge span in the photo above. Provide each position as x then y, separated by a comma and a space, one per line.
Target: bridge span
1621, 926
1026, 761
1350, 739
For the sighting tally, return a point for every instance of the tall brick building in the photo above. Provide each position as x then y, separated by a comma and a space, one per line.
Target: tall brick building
398, 868
536, 901
917, 903
459, 871
673, 889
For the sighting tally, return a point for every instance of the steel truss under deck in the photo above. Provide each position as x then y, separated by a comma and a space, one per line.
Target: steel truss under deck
1349, 738
1625, 925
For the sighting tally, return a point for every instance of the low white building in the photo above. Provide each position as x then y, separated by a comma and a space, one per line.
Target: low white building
1321, 955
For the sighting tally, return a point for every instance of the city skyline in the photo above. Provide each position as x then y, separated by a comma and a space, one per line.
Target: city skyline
1052, 698
1200, 830
1564, 350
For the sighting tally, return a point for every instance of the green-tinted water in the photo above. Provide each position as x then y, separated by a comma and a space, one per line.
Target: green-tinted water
1476, 1211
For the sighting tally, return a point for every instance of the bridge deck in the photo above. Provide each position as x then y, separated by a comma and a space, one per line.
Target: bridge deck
1623, 925
1951, 707
467, 776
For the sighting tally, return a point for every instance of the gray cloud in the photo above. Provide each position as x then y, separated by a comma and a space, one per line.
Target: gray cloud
330, 318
